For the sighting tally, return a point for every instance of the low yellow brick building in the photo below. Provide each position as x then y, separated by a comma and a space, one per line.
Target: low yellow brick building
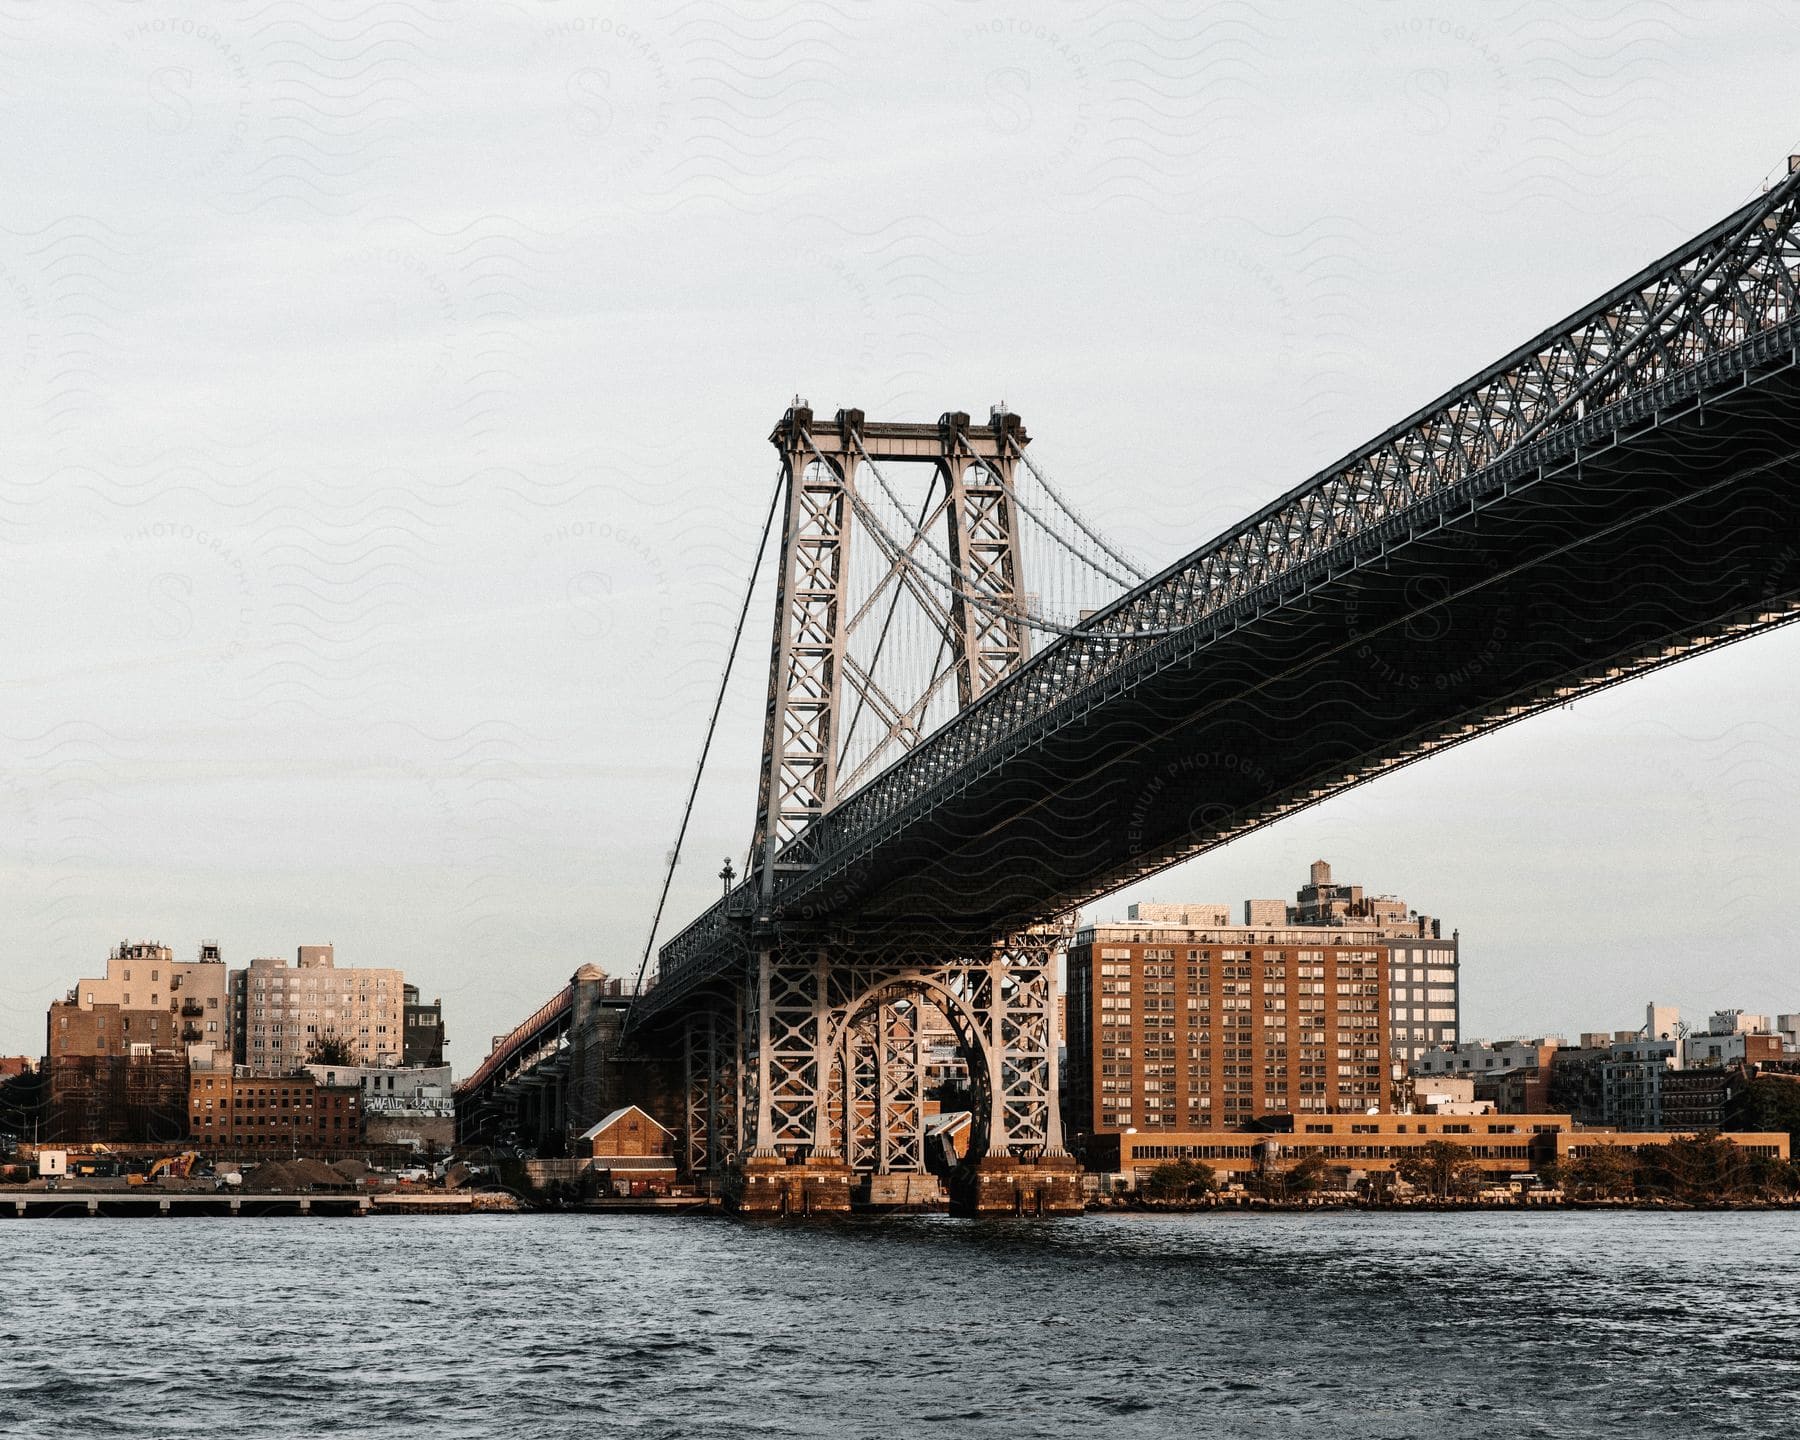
1501, 1145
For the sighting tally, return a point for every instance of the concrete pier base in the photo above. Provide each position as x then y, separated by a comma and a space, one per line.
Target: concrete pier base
999, 1185
770, 1185
907, 1193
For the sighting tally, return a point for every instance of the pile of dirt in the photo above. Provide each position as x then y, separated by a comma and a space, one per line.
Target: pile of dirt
293, 1176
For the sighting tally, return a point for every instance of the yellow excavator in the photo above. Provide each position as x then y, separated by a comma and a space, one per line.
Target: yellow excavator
176, 1167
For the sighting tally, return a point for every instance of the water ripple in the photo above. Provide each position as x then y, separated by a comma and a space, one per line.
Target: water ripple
1334, 1325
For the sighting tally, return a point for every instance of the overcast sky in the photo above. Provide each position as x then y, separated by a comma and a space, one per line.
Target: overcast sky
386, 411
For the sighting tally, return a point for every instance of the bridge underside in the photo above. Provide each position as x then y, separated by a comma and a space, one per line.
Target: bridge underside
1594, 567
1636, 538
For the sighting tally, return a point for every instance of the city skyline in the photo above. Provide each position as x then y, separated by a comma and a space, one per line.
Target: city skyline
21, 1033
321, 656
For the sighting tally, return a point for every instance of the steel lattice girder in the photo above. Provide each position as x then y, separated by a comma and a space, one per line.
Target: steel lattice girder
878, 1090
1733, 283
984, 546
710, 1051
900, 1094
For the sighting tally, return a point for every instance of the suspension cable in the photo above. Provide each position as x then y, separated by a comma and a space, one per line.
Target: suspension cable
712, 725
969, 589
1013, 495
880, 643
1080, 524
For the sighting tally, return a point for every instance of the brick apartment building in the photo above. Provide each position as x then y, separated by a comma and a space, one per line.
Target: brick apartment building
229, 1109
1197, 1027
146, 997
1423, 966
145, 1052
115, 1048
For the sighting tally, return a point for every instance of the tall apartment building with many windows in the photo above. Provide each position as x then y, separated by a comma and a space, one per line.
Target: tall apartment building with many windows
1425, 986
1178, 1027
1424, 970
283, 1013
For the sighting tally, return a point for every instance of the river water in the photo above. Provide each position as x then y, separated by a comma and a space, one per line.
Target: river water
1355, 1325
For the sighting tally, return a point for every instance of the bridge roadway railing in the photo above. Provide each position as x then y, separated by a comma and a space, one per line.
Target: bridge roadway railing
1710, 312
517, 1039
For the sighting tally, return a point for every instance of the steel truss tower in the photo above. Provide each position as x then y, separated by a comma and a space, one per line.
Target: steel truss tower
813, 675
814, 1060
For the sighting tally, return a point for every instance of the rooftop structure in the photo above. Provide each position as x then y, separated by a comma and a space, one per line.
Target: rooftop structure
177, 1002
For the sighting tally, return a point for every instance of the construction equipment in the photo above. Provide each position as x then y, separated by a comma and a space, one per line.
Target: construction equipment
176, 1167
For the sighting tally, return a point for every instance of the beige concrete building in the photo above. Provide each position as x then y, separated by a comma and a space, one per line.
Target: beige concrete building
282, 1013
170, 1002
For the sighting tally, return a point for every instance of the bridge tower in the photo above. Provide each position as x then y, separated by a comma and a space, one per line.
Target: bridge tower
812, 674
813, 1071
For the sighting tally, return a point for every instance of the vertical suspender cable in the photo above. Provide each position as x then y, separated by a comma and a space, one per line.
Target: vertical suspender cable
712, 725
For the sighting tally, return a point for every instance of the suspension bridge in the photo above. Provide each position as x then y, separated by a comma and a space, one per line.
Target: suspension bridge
982, 716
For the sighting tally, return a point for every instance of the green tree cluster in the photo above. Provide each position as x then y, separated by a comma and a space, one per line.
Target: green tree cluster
1605, 1172
330, 1048
1180, 1180
1768, 1102
1440, 1168
1290, 1182
1694, 1170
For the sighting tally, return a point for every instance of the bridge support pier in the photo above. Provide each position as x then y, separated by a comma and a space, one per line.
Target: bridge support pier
772, 1186
1000, 1185
831, 1064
